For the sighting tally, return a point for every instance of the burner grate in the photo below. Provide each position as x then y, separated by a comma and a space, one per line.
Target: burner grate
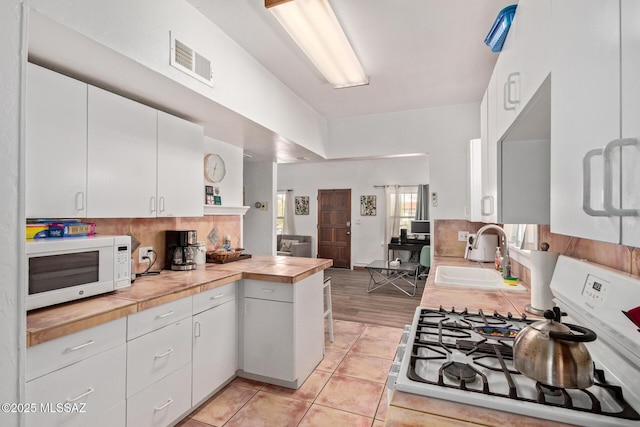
453, 333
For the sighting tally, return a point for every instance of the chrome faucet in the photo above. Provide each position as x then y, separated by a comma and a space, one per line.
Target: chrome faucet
506, 261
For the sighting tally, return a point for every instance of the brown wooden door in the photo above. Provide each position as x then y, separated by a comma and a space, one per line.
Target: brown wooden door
334, 226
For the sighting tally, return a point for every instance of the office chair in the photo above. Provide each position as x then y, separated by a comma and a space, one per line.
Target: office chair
425, 261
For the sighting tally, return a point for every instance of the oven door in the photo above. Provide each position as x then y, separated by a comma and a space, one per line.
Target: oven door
61, 271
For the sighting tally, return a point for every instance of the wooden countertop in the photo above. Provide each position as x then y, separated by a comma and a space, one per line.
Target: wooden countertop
410, 409
150, 291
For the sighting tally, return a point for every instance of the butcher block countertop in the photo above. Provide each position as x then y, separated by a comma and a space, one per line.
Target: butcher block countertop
150, 291
410, 409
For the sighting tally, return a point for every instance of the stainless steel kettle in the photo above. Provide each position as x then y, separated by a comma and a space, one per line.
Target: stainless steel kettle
550, 353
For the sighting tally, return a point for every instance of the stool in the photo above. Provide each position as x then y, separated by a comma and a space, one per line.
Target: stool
328, 312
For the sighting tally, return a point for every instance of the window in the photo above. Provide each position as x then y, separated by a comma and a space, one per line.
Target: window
280, 212
407, 207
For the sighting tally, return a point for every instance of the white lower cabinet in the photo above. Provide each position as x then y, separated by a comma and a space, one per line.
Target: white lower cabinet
80, 394
215, 342
163, 402
157, 354
283, 330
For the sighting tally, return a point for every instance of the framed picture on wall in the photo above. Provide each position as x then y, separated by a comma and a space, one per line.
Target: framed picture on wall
302, 205
368, 205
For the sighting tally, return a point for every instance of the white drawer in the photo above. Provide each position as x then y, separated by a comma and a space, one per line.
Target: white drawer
268, 290
157, 317
55, 354
163, 402
214, 297
94, 385
155, 355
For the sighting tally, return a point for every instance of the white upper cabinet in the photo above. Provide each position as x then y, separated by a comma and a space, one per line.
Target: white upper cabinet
121, 156
489, 152
56, 145
524, 61
180, 154
586, 115
630, 179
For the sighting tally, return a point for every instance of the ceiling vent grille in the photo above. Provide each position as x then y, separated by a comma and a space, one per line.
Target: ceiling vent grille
186, 59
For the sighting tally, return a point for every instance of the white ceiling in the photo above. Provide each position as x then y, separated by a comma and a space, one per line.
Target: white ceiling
417, 53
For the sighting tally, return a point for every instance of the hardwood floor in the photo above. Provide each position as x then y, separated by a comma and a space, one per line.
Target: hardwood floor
386, 306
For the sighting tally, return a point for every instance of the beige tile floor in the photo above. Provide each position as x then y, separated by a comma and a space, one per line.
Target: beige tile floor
346, 389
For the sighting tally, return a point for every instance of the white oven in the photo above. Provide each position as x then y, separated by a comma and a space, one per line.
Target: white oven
70, 268
445, 357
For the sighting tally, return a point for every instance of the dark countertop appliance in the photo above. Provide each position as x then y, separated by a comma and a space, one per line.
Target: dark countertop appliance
181, 247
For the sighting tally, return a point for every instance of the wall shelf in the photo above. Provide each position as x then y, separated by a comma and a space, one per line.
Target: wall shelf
225, 210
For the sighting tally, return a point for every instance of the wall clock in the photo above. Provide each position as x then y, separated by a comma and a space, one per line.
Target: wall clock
214, 168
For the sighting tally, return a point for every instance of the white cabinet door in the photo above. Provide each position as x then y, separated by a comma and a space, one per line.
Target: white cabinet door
156, 354
93, 386
268, 339
475, 180
524, 61
56, 145
215, 349
121, 157
490, 163
585, 108
180, 179
162, 403
630, 124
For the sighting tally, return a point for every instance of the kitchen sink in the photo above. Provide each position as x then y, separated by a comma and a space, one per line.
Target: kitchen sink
473, 277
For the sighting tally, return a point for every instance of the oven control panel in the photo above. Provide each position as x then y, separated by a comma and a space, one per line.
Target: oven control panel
595, 290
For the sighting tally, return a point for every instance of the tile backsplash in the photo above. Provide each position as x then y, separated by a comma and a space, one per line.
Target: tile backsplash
150, 231
618, 257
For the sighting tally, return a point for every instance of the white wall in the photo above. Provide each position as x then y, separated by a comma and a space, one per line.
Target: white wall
259, 231
443, 133
231, 185
140, 30
12, 308
367, 232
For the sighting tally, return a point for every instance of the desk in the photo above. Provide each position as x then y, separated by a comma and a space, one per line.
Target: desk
413, 245
382, 274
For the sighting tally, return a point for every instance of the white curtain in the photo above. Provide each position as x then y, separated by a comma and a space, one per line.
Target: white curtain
392, 223
289, 224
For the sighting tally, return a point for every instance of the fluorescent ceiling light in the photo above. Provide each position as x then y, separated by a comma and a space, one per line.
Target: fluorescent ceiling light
315, 28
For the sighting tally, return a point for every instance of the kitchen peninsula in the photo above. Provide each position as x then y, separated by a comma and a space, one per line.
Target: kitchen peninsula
177, 338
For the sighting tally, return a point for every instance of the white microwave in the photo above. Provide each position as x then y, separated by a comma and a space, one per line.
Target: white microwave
69, 268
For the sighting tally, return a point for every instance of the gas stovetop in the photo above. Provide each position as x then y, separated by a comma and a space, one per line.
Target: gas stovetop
472, 353
467, 357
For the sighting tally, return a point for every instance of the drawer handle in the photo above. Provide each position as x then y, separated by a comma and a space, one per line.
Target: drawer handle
165, 354
217, 296
160, 408
164, 315
268, 290
86, 393
81, 346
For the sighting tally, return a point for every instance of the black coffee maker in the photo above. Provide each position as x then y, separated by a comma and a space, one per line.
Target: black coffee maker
181, 246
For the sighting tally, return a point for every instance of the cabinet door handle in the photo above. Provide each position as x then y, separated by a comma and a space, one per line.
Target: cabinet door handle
196, 331
165, 354
152, 206
161, 200
586, 184
482, 202
160, 408
81, 346
511, 82
80, 201
162, 316
607, 200
86, 393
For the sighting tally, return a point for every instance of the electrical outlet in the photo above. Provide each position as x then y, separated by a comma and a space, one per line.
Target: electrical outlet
463, 236
145, 251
